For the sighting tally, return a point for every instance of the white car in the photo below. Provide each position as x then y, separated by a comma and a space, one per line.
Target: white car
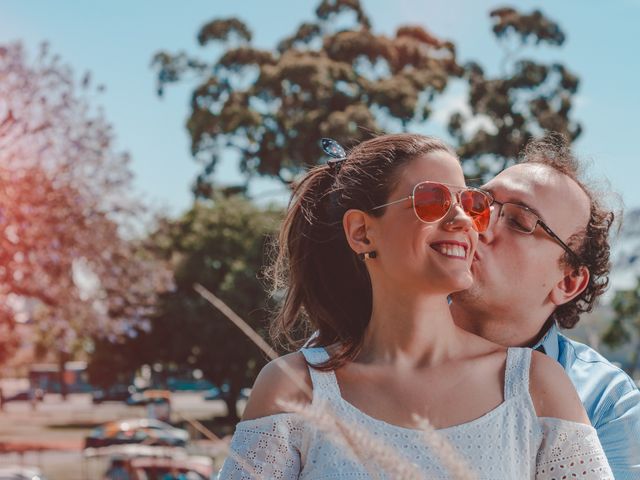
20, 473
137, 430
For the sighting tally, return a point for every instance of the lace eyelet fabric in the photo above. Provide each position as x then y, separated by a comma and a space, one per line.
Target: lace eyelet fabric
570, 451
509, 442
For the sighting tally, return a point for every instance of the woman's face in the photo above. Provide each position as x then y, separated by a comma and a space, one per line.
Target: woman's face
428, 257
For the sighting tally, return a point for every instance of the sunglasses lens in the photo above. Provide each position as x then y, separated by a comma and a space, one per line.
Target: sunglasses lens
431, 201
477, 205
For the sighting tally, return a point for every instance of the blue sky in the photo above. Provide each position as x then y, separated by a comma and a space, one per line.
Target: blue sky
116, 40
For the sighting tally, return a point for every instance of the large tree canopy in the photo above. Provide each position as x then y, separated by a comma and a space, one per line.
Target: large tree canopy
527, 99
270, 107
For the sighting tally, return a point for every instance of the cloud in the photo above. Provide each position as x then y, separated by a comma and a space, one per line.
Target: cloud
582, 101
456, 102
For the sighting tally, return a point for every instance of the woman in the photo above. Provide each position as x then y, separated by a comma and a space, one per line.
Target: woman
370, 249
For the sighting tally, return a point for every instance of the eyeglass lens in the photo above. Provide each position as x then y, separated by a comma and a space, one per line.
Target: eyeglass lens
518, 218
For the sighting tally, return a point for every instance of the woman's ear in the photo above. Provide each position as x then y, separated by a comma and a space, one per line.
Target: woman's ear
570, 286
358, 228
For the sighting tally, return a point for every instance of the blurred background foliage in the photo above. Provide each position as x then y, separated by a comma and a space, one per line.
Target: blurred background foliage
222, 245
625, 326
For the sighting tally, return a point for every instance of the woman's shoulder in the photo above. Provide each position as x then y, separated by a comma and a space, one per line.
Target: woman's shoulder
552, 392
285, 379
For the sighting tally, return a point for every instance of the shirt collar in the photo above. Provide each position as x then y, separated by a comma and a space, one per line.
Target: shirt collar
550, 342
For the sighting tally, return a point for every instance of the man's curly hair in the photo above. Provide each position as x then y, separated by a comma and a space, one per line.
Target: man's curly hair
592, 243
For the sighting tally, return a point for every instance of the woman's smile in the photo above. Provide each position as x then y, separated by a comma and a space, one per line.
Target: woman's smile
451, 249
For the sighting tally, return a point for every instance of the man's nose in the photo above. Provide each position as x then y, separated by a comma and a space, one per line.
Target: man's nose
489, 234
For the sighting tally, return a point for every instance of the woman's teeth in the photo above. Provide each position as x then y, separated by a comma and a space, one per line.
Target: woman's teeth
450, 250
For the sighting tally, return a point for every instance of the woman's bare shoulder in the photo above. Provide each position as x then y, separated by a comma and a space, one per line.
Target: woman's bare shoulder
552, 392
285, 379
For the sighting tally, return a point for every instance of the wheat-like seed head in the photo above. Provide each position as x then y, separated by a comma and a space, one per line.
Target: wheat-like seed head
373, 454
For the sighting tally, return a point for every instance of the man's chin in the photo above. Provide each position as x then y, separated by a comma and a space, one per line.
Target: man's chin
469, 296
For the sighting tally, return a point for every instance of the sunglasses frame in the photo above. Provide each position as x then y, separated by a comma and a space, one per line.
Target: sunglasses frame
454, 195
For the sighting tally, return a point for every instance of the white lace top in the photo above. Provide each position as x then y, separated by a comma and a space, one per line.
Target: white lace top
332, 439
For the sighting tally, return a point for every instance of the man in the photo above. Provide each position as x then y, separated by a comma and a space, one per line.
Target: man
543, 261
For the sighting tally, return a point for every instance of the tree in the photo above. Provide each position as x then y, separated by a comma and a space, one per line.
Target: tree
69, 264
625, 326
270, 107
221, 244
529, 98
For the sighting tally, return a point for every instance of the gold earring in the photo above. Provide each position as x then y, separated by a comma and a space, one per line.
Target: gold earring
368, 255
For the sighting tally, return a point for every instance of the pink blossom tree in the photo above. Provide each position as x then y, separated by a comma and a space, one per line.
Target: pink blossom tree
69, 261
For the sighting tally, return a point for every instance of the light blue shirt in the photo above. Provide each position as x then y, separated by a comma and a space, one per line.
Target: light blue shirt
610, 397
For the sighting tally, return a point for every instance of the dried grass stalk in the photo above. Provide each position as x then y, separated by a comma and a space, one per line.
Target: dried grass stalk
246, 466
252, 335
367, 450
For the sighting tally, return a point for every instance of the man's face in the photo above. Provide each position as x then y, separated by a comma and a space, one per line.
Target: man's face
514, 273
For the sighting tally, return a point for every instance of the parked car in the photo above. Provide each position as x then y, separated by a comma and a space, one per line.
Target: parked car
221, 393
25, 396
115, 393
16, 472
191, 468
142, 462
140, 430
191, 384
147, 396
136, 398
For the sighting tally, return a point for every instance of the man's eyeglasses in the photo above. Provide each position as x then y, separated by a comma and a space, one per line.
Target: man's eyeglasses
524, 220
432, 201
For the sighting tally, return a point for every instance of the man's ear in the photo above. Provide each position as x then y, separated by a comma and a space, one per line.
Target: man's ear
570, 286
358, 229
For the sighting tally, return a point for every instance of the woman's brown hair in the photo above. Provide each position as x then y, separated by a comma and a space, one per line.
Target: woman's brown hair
325, 288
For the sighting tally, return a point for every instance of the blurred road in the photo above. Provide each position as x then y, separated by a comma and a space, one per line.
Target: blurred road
62, 425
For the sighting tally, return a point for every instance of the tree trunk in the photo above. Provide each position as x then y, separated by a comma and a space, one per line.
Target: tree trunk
232, 411
62, 360
231, 399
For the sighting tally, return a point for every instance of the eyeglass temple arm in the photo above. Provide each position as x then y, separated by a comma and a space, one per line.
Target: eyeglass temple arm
393, 203
559, 240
